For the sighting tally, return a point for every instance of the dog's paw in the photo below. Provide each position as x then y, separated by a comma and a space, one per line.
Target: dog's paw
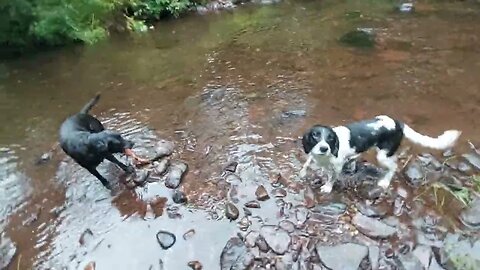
302, 174
326, 188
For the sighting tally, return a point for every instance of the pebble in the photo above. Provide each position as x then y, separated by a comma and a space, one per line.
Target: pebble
166, 239
90, 266
372, 227
188, 234
160, 167
86, 237
231, 211
244, 224
179, 197
231, 167
370, 210
279, 192
464, 167
415, 174
233, 254
332, 210
251, 238
261, 193
195, 265
344, 256
287, 225
262, 244
163, 148
471, 216
277, 239
252, 204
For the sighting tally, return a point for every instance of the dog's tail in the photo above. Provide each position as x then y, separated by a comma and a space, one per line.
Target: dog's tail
90, 104
442, 142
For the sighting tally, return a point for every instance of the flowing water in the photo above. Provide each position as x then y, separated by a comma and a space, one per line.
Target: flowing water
238, 85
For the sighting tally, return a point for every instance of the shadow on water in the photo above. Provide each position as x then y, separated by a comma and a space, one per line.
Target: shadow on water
231, 87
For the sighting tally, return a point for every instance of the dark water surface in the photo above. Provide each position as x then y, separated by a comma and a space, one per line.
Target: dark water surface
234, 86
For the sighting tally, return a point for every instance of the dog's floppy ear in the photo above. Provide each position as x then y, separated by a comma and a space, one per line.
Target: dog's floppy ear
308, 141
336, 145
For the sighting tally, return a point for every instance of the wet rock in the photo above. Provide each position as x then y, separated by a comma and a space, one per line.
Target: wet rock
359, 38
287, 225
252, 204
250, 238
277, 239
175, 174
301, 214
195, 265
408, 262
372, 227
244, 224
448, 153
370, 210
262, 244
344, 256
231, 211
179, 197
86, 237
188, 234
160, 167
166, 239
398, 206
7, 251
471, 216
44, 158
90, 266
233, 254
331, 210
162, 149
233, 194
464, 167
406, 8
233, 179
473, 159
294, 114
261, 193
428, 159
374, 257
141, 177
279, 192
415, 174
231, 167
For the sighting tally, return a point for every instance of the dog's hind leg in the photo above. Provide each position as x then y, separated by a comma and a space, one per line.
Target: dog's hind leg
303, 171
127, 169
100, 177
390, 163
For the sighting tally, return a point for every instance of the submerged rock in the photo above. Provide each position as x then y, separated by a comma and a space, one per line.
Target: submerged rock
179, 197
195, 265
7, 251
331, 210
231, 167
415, 174
162, 149
231, 211
344, 256
279, 192
372, 227
160, 167
371, 210
261, 193
175, 174
233, 254
471, 216
166, 239
277, 239
473, 159
252, 204
359, 38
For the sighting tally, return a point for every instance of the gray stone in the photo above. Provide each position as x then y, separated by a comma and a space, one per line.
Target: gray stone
344, 256
277, 239
261, 193
471, 216
370, 210
166, 239
231, 211
473, 159
415, 174
332, 210
175, 174
372, 227
163, 148
233, 254
179, 197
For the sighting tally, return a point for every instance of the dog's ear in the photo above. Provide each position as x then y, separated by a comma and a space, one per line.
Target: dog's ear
334, 143
308, 141
100, 145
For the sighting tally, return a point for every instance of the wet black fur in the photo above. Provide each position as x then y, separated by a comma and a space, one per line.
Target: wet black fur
362, 137
86, 141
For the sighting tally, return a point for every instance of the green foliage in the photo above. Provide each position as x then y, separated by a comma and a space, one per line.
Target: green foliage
55, 22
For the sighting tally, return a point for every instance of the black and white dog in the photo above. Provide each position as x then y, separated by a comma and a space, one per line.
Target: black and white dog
331, 147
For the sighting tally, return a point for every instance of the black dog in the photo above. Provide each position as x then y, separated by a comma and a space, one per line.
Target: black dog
84, 139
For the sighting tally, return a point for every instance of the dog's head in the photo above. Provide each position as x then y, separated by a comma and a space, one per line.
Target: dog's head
321, 140
109, 142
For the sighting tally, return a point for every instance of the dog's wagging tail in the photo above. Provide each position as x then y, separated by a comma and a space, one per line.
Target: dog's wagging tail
332, 147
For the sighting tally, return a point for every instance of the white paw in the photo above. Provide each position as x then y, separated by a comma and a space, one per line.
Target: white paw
383, 183
303, 173
326, 188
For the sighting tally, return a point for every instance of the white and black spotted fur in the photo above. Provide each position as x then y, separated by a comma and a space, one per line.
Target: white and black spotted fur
332, 147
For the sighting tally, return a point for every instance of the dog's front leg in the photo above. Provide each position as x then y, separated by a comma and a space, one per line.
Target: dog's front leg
334, 171
303, 171
113, 159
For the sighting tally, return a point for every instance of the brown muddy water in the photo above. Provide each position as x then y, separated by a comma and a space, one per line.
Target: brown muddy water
239, 86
